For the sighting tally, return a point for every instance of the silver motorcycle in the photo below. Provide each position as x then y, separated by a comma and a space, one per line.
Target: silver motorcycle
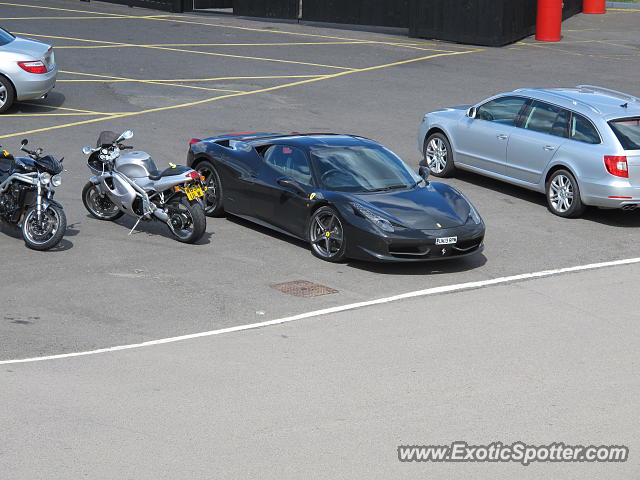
130, 183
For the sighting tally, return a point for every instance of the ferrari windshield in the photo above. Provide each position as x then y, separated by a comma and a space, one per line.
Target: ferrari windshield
361, 169
5, 37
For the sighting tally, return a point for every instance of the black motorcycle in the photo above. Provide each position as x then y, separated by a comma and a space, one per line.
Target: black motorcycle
26, 196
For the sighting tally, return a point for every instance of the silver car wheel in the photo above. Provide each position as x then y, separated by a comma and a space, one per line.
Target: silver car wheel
3, 95
436, 155
561, 193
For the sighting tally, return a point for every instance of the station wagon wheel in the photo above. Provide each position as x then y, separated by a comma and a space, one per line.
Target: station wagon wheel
213, 195
7, 95
438, 155
327, 236
563, 195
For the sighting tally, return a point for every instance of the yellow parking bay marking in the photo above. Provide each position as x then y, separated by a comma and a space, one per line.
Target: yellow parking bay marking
197, 52
60, 9
276, 44
76, 110
189, 80
67, 114
242, 94
107, 78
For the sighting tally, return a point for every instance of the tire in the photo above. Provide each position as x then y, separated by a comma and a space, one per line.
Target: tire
326, 235
438, 156
104, 210
188, 220
213, 196
7, 94
33, 235
563, 195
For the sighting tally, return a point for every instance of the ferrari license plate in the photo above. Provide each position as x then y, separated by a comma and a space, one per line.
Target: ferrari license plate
194, 191
446, 240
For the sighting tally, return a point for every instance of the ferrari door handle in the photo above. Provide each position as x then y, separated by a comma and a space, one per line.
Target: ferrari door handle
502, 136
549, 148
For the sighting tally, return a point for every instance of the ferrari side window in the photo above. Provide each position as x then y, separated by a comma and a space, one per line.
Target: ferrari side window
290, 161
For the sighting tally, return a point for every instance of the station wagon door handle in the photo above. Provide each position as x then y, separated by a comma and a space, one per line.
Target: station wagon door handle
502, 136
549, 148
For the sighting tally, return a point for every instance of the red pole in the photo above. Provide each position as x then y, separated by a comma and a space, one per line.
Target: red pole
594, 6
549, 21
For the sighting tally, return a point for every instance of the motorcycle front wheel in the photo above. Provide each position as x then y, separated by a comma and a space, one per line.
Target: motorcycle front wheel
187, 220
47, 233
99, 206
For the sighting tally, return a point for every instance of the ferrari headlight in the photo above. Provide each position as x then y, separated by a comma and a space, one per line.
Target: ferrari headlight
373, 217
56, 180
474, 215
45, 178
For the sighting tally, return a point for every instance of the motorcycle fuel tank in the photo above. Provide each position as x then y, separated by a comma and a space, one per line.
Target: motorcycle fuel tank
136, 164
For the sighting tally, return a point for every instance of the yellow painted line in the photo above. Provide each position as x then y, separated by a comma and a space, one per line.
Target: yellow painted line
68, 109
108, 78
197, 52
280, 44
242, 94
60, 9
190, 80
622, 10
51, 114
84, 17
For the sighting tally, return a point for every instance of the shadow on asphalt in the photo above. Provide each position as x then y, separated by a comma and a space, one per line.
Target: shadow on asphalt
609, 217
449, 265
42, 105
151, 228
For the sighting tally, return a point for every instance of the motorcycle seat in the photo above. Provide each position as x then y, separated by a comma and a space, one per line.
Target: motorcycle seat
168, 172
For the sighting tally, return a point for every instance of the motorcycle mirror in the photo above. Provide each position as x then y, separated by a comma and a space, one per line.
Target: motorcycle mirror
87, 150
24, 142
126, 135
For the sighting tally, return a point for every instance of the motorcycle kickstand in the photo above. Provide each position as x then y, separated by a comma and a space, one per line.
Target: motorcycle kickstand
134, 227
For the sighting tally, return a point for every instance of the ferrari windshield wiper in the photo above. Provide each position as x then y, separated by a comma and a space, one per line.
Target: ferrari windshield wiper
385, 189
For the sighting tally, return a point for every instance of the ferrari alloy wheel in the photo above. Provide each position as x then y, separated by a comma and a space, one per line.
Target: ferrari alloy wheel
213, 196
563, 195
438, 155
326, 235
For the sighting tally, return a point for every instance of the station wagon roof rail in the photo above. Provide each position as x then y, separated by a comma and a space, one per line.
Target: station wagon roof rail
562, 96
622, 95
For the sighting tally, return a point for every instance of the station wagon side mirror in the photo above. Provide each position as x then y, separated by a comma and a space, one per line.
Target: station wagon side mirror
291, 183
472, 112
424, 173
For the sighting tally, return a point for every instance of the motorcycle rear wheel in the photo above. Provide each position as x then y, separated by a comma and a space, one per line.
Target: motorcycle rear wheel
188, 221
99, 206
48, 233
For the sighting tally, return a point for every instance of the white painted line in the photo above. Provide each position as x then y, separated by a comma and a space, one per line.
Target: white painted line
342, 308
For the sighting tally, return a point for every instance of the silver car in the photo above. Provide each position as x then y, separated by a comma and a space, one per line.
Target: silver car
580, 146
27, 69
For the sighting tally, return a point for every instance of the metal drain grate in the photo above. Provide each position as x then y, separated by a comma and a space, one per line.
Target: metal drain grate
303, 288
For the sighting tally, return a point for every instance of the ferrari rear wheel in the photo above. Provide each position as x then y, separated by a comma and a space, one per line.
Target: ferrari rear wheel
327, 236
213, 206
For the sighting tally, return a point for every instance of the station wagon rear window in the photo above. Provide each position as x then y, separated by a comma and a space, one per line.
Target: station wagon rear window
5, 37
628, 132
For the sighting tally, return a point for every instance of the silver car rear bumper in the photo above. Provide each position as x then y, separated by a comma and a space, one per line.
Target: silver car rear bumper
34, 85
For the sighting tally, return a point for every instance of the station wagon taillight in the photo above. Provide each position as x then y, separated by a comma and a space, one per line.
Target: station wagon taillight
33, 67
617, 165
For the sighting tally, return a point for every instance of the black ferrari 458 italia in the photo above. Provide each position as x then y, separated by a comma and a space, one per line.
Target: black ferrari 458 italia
348, 196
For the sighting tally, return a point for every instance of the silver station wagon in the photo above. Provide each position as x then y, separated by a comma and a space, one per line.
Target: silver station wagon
580, 146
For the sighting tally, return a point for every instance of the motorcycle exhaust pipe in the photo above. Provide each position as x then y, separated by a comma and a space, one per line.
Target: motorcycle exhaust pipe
161, 214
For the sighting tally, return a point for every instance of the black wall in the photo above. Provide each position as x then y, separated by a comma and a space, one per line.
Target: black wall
167, 5
267, 8
480, 22
388, 13
212, 4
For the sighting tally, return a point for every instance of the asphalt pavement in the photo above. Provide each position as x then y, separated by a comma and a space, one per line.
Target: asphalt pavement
240, 401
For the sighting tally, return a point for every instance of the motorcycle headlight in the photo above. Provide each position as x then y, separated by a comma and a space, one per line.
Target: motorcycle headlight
373, 217
56, 180
45, 178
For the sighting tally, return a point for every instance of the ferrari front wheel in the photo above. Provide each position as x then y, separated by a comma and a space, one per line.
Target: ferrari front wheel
326, 234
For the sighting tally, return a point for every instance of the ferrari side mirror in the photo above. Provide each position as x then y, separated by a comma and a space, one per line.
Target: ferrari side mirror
424, 173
